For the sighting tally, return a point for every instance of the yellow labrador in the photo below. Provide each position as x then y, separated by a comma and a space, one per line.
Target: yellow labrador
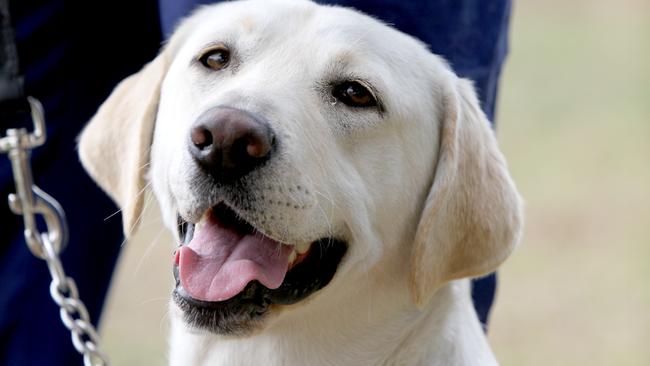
332, 182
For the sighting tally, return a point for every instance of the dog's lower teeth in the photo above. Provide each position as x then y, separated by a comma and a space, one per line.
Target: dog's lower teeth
200, 224
293, 256
302, 248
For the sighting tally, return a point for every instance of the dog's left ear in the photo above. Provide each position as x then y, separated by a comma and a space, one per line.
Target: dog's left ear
472, 216
114, 146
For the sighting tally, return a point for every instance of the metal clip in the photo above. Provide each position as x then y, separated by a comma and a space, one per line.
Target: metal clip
29, 200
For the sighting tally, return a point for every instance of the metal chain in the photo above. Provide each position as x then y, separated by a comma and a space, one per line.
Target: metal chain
74, 314
30, 201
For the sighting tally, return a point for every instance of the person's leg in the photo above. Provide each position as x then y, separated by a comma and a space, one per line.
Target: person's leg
71, 55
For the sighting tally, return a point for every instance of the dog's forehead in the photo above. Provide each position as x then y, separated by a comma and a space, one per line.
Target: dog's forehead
303, 26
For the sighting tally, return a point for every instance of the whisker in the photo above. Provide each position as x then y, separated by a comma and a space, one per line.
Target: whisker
154, 299
140, 217
147, 252
113, 214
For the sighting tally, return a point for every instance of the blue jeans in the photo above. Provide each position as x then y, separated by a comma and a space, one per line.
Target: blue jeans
72, 62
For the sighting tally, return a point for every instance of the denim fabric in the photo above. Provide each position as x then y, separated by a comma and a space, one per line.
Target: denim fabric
72, 53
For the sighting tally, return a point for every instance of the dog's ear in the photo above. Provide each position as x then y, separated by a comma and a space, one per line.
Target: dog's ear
472, 216
114, 146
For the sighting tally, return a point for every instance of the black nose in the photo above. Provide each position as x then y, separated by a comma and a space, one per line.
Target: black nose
229, 143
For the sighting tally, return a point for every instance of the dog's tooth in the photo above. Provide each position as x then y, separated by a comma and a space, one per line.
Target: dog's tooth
293, 256
303, 248
199, 225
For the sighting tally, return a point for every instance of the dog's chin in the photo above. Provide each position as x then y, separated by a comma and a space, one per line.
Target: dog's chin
246, 312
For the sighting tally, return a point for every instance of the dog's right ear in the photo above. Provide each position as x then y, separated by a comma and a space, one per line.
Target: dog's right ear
114, 146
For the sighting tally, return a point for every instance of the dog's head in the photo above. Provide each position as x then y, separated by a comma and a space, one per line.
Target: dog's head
296, 150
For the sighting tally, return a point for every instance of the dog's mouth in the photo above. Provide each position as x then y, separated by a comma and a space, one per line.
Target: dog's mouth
228, 273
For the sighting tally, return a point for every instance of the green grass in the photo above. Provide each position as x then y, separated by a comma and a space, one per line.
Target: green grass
574, 123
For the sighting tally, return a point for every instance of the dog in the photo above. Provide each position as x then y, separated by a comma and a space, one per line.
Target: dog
332, 183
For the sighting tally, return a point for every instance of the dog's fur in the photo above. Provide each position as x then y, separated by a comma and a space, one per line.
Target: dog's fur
417, 186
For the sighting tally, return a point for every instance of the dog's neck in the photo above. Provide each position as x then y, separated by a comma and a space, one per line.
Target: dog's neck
375, 330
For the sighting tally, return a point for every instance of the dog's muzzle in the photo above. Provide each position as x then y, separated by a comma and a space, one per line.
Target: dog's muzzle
228, 274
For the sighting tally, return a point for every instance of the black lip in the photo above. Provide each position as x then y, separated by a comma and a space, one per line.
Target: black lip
243, 313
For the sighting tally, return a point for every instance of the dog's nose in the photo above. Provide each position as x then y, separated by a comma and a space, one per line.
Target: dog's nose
229, 143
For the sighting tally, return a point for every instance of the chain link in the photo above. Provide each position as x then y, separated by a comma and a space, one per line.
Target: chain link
73, 312
30, 201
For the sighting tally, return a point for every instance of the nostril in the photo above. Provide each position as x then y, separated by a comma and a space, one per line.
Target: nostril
255, 150
259, 146
201, 137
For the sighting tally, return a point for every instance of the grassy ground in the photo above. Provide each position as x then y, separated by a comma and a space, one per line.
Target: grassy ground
574, 122
575, 125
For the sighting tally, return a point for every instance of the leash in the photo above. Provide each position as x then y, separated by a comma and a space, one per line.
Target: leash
30, 201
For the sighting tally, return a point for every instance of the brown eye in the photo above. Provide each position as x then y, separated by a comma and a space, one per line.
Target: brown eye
354, 94
216, 58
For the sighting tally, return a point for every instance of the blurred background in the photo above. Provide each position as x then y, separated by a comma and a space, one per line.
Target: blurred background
574, 123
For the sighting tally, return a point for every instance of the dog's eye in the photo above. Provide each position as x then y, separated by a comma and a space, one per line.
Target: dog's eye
354, 94
216, 58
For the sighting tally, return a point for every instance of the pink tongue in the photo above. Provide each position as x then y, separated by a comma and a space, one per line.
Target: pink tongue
219, 262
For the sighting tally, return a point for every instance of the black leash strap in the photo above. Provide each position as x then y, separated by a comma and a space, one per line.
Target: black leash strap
12, 98
14, 107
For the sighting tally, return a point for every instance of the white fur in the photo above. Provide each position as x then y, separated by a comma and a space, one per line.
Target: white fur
427, 164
